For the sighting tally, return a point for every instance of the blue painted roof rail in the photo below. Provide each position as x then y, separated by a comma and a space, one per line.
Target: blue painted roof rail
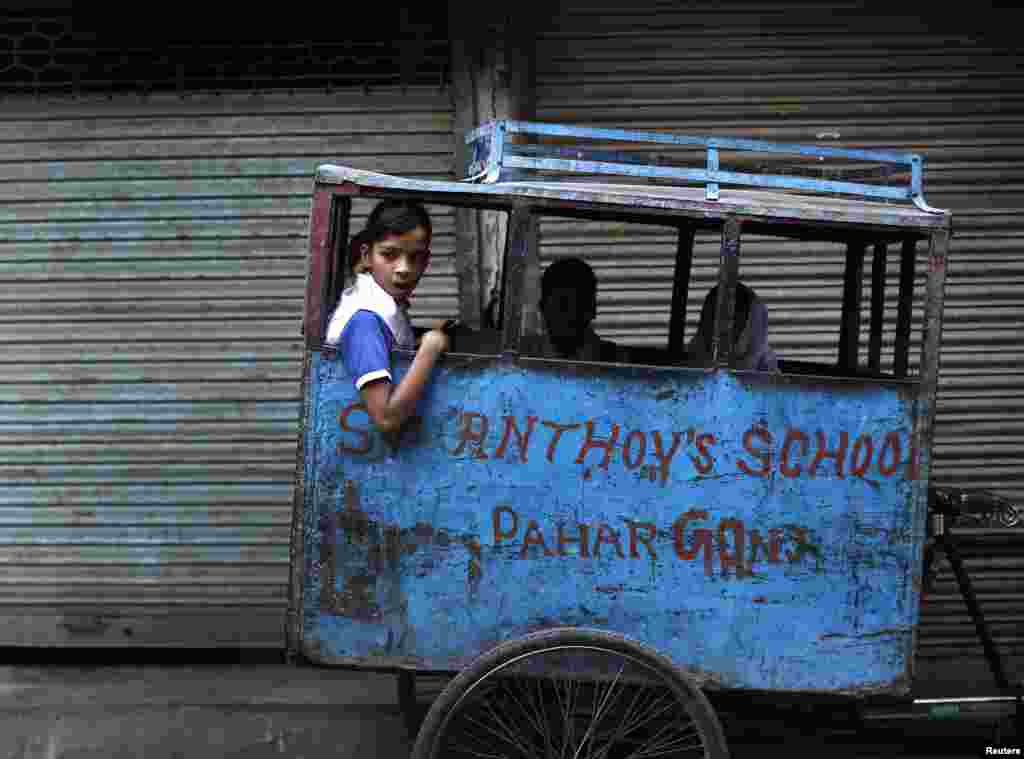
490, 153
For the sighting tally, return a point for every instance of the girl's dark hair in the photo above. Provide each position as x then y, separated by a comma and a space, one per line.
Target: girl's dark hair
389, 217
395, 217
355, 252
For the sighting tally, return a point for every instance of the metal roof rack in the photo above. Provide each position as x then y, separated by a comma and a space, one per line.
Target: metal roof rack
490, 153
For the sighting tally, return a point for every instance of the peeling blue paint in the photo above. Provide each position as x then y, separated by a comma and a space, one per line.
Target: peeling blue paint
433, 551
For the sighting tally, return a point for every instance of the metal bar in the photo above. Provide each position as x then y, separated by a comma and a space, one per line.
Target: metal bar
728, 273
878, 264
711, 190
908, 257
480, 131
494, 157
923, 432
574, 154
849, 328
995, 663
513, 282
622, 135
977, 708
680, 290
318, 272
338, 241
965, 700
777, 181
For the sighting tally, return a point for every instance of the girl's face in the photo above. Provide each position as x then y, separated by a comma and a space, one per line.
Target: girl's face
398, 261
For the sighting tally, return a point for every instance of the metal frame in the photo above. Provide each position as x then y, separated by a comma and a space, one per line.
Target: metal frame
490, 152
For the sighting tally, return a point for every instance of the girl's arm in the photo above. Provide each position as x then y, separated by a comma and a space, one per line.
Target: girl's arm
390, 406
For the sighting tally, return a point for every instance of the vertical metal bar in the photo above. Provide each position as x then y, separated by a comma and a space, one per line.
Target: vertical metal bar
711, 189
514, 279
908, 256
497, 147
995, 663
680, 289
728, 272
931, 339
878, 264
338, 244
853, 285
318, 267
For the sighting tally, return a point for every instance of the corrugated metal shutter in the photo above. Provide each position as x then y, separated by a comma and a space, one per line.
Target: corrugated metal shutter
152, 258
853, 76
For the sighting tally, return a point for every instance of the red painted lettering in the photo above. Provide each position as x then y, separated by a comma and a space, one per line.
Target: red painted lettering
652, 532
838, 455
707, 463
734, 559
534, 537
628, 446
469, 435
559, 429
606, 445
605, 530
664, 460
581, 540
367, 442
913, 471
892, 446
764, 455
859, 468
791, 437
701, 539
523, 438
757, 545
775, 545
499, 534
803, 544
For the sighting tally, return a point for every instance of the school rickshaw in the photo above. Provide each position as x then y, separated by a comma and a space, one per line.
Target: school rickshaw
590, 548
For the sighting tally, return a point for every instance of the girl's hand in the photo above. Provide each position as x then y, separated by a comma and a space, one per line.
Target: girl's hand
436, 340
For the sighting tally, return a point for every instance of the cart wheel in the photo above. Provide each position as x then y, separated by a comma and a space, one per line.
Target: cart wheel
571, 692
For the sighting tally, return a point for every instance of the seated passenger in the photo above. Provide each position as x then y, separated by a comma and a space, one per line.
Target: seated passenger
750, 332
568, 304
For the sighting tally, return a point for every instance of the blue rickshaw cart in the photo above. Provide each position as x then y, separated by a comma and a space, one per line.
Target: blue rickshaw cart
592, 547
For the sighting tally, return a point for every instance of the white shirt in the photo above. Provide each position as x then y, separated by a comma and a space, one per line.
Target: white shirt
366, 295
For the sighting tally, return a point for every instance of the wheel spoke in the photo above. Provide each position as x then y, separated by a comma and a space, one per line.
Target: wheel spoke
506, 733
649, 714
471, 741
583, 695
530, 715
667, 741
629, 721
575, 686
600, 712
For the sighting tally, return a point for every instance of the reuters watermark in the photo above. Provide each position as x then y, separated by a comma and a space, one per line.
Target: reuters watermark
1003, 751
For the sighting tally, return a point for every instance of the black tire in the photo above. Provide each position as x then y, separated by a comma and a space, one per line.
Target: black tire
473, 707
